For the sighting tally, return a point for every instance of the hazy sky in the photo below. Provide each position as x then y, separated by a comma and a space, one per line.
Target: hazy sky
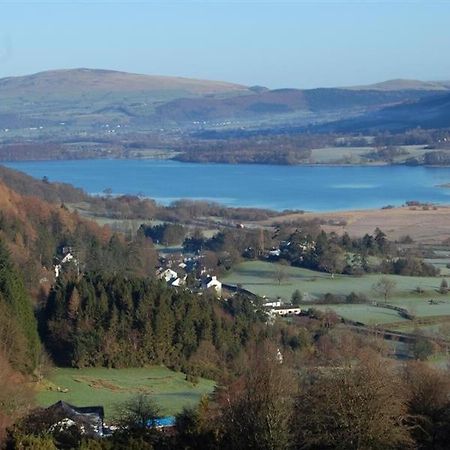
276, 44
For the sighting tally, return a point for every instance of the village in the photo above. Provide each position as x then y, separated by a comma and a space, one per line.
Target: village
188, 271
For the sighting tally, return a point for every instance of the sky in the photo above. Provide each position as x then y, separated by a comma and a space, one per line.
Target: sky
295, 43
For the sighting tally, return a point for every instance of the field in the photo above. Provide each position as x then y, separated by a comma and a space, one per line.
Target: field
110, 387
259, 277
358, 155
339, 155
431, 226
370, 315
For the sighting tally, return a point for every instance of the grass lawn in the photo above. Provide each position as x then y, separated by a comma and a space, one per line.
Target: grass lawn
108, 387
441, 264
258, 277
370, 315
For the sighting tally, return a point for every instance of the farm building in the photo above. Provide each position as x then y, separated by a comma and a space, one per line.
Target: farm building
88, 419
286, 310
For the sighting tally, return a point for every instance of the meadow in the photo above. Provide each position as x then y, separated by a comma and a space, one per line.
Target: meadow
259, 277
359, 155
111, 387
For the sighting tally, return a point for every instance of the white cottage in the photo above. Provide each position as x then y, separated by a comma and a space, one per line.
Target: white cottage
211, 282
167, 275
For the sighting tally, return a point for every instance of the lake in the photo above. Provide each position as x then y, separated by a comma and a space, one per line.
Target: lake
314, 188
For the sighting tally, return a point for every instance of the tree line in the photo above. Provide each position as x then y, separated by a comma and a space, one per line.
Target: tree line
113, 321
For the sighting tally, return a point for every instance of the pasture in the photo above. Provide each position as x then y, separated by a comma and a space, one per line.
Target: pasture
259, 277
359, 155
110, 387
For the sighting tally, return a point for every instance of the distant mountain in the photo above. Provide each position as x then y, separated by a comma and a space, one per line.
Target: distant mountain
80, 82
405, 85
90, 98
430, 112
284, 101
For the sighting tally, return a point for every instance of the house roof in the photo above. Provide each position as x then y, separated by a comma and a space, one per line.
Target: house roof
71, 409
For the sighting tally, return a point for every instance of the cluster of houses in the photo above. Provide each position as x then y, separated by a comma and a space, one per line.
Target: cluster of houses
175, 274
303, 247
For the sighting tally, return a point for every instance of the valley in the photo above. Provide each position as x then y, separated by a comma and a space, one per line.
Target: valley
224, 225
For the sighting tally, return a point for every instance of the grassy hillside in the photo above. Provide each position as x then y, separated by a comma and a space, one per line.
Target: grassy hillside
428, 112
284, 101
109, 387
89, 97
259, 277
92, 98
78, 83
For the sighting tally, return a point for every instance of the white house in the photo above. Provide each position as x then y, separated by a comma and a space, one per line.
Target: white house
212, 282
167, 275
180, 281
273, 304
68, 257
286, 310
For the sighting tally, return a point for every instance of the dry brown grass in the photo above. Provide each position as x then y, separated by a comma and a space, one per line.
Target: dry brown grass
423, 225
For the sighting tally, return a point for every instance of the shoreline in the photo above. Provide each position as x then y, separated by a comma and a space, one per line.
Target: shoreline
174, 159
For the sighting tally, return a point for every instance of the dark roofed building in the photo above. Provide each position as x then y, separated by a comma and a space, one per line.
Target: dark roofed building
89, 419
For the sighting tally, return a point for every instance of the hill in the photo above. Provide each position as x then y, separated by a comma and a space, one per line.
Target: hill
56, 84
314, 102
401, 84
24, 184
88, 96
92, 99
431, 112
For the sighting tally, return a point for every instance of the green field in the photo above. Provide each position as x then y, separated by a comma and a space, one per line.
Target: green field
370, 315
441, 264
258, 277
110, 387
359, 155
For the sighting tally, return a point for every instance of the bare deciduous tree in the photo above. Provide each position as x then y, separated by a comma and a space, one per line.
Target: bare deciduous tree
356, 406
257, 408
384, 286
280, 273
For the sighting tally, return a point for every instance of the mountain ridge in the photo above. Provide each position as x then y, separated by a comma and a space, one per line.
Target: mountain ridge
397, 84
89, 99
114, 79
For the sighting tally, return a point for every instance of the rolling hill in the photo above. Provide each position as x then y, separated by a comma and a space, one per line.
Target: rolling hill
57, 84
401, 84
92, 98
429, 112
314, 102
89, 96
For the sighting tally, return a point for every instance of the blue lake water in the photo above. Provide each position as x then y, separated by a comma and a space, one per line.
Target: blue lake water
314, 188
